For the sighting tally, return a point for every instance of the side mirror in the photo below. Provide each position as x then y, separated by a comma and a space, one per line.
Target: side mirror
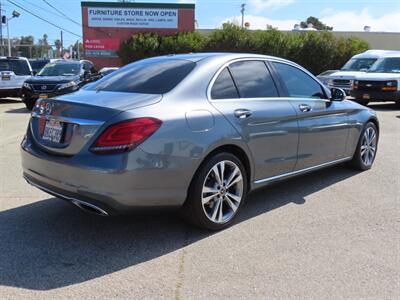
337, 94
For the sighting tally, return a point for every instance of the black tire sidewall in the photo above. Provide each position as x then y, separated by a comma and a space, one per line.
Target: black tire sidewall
195, 191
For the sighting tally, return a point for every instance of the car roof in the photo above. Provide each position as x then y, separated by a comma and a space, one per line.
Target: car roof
203, 56
375, 53
13, 58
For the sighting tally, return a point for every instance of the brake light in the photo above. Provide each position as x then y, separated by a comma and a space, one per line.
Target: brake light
125, 136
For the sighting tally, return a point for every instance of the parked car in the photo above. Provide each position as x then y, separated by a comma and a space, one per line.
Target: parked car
108, 70
13, 72
358, 64
38, 64
58, 78
194, 131
380, 83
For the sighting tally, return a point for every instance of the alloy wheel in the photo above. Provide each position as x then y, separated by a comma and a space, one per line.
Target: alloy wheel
222, 192
368, 146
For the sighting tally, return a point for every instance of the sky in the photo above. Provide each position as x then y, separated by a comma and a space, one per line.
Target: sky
343, 15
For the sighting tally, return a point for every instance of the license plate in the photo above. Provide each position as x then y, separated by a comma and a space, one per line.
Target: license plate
43, 96
5, 78
366, 96
53, 130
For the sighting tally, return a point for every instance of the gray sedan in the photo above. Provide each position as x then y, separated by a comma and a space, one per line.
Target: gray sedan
194, 131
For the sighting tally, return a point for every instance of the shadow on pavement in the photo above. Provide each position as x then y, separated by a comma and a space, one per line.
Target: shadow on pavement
383, 106
21, 110
50, 244
8, 100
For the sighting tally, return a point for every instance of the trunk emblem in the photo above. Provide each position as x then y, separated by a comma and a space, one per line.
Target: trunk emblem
44, 87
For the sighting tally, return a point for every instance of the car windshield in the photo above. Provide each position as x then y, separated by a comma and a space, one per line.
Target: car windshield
63, 69
154, 76
387, 65
358, 64
18, 66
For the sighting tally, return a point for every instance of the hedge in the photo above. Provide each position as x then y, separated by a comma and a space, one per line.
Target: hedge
316, 51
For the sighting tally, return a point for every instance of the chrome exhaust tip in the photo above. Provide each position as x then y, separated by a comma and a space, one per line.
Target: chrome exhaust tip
89, 208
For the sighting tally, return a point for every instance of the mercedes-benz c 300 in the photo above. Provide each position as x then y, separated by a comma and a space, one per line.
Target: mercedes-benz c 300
194, 131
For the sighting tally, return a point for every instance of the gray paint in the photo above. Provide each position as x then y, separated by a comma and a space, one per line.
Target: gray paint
278, 139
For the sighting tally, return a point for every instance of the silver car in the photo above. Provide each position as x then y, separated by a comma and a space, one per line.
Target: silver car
195, 131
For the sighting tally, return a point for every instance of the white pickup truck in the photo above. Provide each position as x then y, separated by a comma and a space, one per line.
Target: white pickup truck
380, 83
357, 65
13, 73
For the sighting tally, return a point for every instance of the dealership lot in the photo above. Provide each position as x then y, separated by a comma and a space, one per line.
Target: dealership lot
334, 232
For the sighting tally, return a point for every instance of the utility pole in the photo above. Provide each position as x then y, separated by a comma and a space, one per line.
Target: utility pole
1, 30
62, 44
242, 11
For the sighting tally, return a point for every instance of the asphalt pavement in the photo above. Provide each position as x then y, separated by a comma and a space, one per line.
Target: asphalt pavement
329, 235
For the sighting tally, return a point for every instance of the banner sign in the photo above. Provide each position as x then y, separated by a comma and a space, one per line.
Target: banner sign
132, 17
101, 47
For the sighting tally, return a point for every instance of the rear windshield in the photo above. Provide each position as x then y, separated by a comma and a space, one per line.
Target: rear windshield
358, 64
146, 77
19, 67
61, 69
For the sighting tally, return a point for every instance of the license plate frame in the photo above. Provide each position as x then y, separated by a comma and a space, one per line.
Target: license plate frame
53, 131
43, 96
6, 78
366, 96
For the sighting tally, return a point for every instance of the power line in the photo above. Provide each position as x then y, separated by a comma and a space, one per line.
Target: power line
60, 12
43, 19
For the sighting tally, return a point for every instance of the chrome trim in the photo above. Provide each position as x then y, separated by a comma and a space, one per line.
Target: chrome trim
258, 58
68, 119
75, 201
297, 172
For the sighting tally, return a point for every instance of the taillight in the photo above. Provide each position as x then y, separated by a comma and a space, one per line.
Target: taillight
125, 136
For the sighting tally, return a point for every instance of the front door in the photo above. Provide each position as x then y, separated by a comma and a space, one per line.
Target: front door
323, 123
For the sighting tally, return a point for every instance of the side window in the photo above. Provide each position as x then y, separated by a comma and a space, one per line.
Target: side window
224, 87
253, 79
298, 83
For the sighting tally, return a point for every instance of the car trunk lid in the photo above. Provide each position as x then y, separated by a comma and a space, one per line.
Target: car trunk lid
64, 125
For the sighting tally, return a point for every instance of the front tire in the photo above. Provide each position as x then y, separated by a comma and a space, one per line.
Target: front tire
217, 192
367, 147
29, 103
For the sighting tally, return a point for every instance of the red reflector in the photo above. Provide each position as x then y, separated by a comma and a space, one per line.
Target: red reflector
125, 136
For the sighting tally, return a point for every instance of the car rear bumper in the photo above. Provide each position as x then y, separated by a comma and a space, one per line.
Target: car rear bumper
141, 181
375, 96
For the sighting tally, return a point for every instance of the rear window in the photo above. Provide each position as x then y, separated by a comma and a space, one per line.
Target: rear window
253, 79
146, 77
19, 67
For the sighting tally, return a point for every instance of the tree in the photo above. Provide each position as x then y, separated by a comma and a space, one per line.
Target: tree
43, 46
26, 43
57, 43
317, 24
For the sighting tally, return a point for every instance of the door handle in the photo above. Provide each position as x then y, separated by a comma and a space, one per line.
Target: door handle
304, 107
242, 113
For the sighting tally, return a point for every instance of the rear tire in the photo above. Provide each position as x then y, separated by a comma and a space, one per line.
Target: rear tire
217, 192
367, 147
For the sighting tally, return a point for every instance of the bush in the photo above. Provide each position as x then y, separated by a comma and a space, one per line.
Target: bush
316, 51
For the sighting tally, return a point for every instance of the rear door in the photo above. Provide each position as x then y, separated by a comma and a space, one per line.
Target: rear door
323, 123
246, 94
